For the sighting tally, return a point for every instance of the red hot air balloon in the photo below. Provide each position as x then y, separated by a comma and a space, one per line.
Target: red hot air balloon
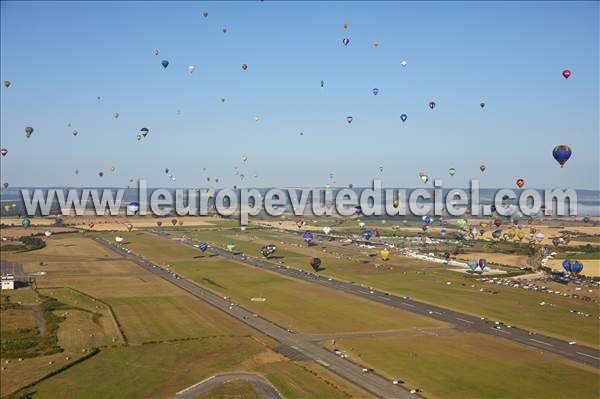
566, 73
520, 183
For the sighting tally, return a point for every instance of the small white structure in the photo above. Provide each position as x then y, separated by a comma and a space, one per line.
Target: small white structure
8, 282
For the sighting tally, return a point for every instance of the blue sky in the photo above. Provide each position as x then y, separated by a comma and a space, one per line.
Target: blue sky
59, 56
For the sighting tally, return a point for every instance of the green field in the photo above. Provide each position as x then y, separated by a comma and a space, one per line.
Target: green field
165, 339
298, 305
426, 282
470, 365
232, 390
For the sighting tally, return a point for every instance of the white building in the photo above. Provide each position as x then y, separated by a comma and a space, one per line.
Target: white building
8, 282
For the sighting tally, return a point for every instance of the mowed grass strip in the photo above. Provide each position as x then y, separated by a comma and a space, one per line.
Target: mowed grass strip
471, 365
161, 370
427, 282
298, 305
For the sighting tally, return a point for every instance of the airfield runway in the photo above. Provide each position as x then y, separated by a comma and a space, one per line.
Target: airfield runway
296, 343
578, 353
261, 385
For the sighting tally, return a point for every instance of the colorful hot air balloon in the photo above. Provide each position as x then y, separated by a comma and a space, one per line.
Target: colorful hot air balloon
345, 41
3, 151
566, 73
385, 254
7, 84
375, 91
315, 263
164, 63
204, 246
308, 237
367, 234
349, 119
561, 154
403, 117
520, 183
461, 223
230, 246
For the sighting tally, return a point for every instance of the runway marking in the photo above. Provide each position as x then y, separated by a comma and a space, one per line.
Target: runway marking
384, 298
540, 342
408, 304
502, 331
466, 321
585, 354
322, 363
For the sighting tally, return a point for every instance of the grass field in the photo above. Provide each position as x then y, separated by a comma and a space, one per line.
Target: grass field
470, 365
298, 305
426, 282
232, 390
193, 340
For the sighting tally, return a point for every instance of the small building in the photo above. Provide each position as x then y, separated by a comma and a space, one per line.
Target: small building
8, 282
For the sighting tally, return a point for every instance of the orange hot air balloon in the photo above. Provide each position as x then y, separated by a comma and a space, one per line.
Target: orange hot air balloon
520, 183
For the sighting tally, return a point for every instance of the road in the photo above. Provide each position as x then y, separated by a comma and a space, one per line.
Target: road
261, 385
369, 381
576, 352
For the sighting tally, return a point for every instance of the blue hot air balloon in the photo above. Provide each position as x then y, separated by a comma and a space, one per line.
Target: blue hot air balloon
133, 207
427, 220
473, 265
567, 265
561, 153
308, 237
576, 267
164, 63
367, 234
403, 117
375, 91
203, 246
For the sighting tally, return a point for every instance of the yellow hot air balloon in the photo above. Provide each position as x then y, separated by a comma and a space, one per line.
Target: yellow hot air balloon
385, 254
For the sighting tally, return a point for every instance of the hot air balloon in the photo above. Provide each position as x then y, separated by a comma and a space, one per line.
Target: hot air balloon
403, 117
427, 219
91, 225
230, 246
345, 41
482, 264
28, 131
7, 84
586, 219
322, 83
562, 153
497, 222
156, 52
191, 68
461, 223
204, 246
3, 151
133, 207
367, 234
473, 264
345, 25
158, 223
315, 263
349, 119
432, 104
116, 115
385, 254
144, 131
576, 267
566, 73
244, 67
482, 168
100, 174
482, 104
75, 132
326, 229
205, 14
566, 264
375, 91
424, 178
520, 183
375, 44
129, 227
244, 158
173, 222
25, 223
224, 29
119, 239
403, 63
164, 63
308, 237
5, 185
451, 171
